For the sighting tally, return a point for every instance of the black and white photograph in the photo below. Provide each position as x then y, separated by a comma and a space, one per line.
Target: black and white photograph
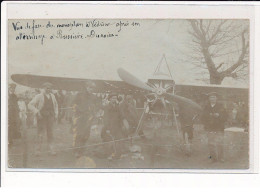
128, 94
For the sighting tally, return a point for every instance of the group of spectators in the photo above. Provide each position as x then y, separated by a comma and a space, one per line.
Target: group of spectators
43, 107
117, 113
22, 114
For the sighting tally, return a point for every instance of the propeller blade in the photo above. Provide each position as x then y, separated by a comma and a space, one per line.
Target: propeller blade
132, 80
150, 84
168, 87
183, 101
161, 84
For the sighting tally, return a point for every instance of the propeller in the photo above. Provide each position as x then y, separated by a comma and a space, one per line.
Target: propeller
182, 101
132, 80
159, 91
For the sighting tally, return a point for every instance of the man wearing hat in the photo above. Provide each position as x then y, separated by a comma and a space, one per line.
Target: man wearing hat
45, 107
13, 115
86, 105
214, 117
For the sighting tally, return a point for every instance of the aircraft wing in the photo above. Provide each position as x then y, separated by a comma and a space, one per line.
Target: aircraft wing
73, 84
194, 92
198, 92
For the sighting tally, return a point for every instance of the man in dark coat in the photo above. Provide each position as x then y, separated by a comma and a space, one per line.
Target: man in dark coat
214, 117
129, 114
86, 106
112, 130
13, 115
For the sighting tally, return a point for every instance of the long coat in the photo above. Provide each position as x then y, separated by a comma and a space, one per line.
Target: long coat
212, 123
86, 106
129, 112
13, 117
112, 121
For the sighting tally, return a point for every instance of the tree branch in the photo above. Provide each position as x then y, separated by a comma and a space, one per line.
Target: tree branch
211, 39
240, 60
220, 65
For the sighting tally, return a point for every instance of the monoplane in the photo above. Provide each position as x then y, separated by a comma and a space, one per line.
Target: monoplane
189, 98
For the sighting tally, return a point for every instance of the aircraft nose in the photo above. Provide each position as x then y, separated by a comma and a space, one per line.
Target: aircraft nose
159, 91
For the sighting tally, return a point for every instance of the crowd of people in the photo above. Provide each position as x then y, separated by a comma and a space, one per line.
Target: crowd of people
117, 113
42, 108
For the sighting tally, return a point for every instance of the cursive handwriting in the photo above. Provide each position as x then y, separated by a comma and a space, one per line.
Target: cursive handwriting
33, 30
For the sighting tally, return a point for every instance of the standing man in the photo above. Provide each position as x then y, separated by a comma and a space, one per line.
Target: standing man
13, 115
86, 106
68, 102
112, 130
186, 121
129, 114
214, 117
45, 107
60, 100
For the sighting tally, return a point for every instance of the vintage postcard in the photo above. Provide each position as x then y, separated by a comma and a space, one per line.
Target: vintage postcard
111, 93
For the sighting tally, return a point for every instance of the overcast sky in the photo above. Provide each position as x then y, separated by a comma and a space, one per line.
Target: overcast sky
137, 49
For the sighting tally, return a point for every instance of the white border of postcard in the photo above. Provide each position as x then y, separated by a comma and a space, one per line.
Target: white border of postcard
176, 10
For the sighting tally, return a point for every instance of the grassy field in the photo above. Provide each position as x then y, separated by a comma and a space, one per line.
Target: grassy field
170, 152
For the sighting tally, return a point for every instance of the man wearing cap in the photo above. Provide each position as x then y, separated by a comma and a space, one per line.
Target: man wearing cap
45, 107
86, 105
13, 115
214, 117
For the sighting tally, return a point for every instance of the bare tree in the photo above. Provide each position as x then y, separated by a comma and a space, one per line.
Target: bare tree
220, 47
